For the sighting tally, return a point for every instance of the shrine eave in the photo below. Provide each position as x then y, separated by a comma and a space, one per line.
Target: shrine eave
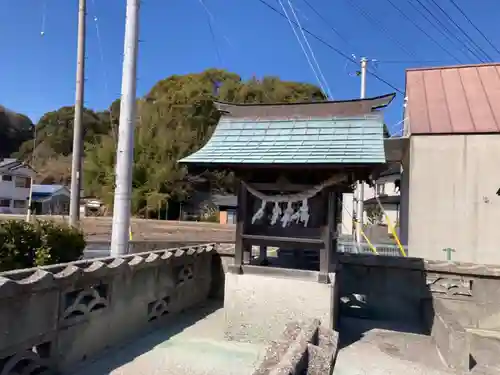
317, 142
353, 107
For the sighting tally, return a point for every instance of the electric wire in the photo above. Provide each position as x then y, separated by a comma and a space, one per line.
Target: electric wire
414, 23
330, 26
474, 26
330, 96
104, 70
44, 17
212, 32
476, 46
409, 61
292, 23
447, 33
336, 50
214, 22
378, 25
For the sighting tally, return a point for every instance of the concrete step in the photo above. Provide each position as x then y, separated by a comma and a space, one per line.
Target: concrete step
485, 348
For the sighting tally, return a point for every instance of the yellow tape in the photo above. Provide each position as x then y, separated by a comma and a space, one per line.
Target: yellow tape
391, 228
372, 248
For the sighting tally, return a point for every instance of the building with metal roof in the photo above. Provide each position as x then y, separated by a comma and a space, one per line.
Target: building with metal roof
450, 189
50, 199
325, 133
293, 162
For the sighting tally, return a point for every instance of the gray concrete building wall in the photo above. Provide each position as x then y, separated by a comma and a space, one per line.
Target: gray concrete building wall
452, 198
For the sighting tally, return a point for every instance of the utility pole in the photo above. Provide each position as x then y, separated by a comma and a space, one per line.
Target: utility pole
125, 147
30, 198
360, 194
76, 163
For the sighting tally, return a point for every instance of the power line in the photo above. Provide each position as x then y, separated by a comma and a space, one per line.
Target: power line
311, 51
336, 50
473, 25
408, 61
474, 44
380, 26
292, 23
330, 26
447, 33
423, 30
212, 33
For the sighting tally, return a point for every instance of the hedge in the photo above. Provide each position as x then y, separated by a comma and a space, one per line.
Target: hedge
25, 245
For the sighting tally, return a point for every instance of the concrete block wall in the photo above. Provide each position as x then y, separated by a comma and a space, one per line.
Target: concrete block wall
54, 317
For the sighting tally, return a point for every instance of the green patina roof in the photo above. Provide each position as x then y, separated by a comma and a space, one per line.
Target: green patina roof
340, 140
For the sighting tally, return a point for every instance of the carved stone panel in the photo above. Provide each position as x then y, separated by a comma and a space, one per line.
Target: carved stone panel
33, 361
449, 285
159, 308
183, 274
82, 302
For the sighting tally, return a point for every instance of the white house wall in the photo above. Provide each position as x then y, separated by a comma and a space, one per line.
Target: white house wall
369, 192
452, 197
8, 190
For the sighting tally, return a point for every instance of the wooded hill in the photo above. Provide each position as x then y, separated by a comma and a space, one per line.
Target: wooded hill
175, 118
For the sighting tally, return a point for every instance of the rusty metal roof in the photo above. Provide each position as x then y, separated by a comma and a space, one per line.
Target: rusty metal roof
305, 110
454, 100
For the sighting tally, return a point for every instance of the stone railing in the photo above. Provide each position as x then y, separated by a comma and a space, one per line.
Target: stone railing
54, 317
302, 348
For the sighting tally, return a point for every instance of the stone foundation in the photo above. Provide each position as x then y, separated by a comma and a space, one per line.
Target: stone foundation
308, 348
260, 301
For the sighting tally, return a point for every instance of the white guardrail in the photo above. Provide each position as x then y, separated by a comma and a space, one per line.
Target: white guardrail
364, 248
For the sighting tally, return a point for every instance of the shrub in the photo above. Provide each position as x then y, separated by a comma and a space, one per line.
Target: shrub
18, 244
24, 245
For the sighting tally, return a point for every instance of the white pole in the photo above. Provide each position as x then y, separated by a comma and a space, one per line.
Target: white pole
30, 198
76, 163
125, 148
360, 194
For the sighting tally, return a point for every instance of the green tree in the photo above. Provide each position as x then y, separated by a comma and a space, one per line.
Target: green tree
175, 119
54, 142
15, 129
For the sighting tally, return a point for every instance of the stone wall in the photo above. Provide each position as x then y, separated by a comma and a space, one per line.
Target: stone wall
396, 288
450, 301
54, 317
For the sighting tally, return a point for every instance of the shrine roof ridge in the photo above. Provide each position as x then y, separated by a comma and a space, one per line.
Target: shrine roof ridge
304, 119
305, 109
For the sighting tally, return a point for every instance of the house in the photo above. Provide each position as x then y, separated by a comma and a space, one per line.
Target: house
387, 189
226, 205
203, 205
15, 182
50, 199
450, 186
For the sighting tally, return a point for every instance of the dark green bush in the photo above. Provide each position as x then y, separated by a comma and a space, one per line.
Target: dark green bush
24, 245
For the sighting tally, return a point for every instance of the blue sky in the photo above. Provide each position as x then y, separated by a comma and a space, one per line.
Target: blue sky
37, 74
